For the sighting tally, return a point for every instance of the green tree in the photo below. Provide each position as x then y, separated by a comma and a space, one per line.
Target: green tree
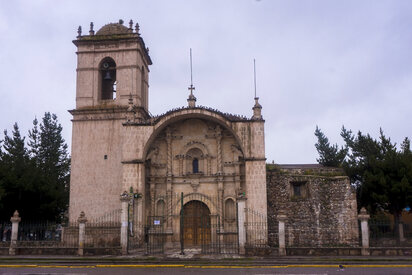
329, 155
34, 141
15, 173
381, 172
49, 150
35, 180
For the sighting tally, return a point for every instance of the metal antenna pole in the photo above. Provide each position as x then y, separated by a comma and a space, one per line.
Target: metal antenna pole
254, 70
191, 69
191, 88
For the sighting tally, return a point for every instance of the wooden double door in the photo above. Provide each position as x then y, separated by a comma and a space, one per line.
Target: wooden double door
196, 224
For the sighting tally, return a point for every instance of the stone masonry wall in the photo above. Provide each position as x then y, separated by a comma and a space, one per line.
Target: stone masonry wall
325, 215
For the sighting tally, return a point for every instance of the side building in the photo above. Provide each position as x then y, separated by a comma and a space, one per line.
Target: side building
319, 204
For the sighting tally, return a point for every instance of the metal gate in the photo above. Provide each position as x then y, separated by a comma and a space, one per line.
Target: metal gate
155, 237
219, 237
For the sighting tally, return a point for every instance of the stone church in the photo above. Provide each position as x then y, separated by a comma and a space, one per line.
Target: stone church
193, 160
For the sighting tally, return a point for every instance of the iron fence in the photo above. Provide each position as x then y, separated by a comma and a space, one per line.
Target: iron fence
154, 233
46, 234
384, 233
135, 236
256, 227
102, 235
219, 237
5, 233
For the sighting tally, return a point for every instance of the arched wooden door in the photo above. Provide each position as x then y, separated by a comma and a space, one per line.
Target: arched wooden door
196, 223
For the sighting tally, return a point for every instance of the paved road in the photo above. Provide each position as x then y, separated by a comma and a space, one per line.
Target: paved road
72, 270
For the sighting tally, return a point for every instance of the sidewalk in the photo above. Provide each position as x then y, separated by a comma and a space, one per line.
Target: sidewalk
202, 260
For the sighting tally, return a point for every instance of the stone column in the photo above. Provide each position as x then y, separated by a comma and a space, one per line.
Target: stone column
282, 243
152, 199
220, 174
169, 151
219, 149
14, 232
124, 198
169, 181
82, 233
140, 218
241, 219
364, 217
220, 200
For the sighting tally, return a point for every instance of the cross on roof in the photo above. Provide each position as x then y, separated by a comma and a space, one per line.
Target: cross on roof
191, 88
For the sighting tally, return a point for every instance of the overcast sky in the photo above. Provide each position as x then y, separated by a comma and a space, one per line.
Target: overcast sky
327, 63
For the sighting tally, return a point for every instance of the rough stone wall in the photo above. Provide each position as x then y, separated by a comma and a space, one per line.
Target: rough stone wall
325, 216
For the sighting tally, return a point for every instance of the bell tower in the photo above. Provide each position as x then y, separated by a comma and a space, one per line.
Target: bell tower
112, 77
112, 66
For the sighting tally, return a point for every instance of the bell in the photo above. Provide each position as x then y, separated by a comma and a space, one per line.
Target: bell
107, 76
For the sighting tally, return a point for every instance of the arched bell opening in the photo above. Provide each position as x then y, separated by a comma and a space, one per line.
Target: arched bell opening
107, 76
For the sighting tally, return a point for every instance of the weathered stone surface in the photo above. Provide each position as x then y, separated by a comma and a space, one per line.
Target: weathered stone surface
325, 216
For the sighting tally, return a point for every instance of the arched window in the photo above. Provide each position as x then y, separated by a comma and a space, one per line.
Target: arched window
230, 210
107, 79
195, 161
195, 165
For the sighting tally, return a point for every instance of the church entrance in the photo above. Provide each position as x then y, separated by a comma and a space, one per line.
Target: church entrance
196, 224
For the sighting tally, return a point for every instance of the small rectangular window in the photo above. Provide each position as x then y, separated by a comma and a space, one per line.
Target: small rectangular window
298, 189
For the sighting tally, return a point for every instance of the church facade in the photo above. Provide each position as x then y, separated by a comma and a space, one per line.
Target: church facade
192, 161
199, 155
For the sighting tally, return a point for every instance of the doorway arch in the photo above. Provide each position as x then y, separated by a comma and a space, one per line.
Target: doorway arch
196, 224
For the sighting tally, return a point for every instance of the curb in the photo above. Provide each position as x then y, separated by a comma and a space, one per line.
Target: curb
211, 266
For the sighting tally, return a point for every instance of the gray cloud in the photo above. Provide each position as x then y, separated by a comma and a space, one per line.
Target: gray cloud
323, 63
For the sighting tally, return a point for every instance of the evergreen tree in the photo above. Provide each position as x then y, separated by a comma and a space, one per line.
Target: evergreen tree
2, 191
15, 172
34, 141
35, 180
52, 149
329, 155
54, 164
381, 172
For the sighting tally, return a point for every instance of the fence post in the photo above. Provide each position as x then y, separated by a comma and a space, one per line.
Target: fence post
124, 198
364, 217
401, 233
241, 219
14, 232
82, 232
282, 244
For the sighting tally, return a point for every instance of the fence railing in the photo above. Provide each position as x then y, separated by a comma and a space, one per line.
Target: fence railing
214, 234
5, 233
384, 233
256, 227
46, 234
102, 235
